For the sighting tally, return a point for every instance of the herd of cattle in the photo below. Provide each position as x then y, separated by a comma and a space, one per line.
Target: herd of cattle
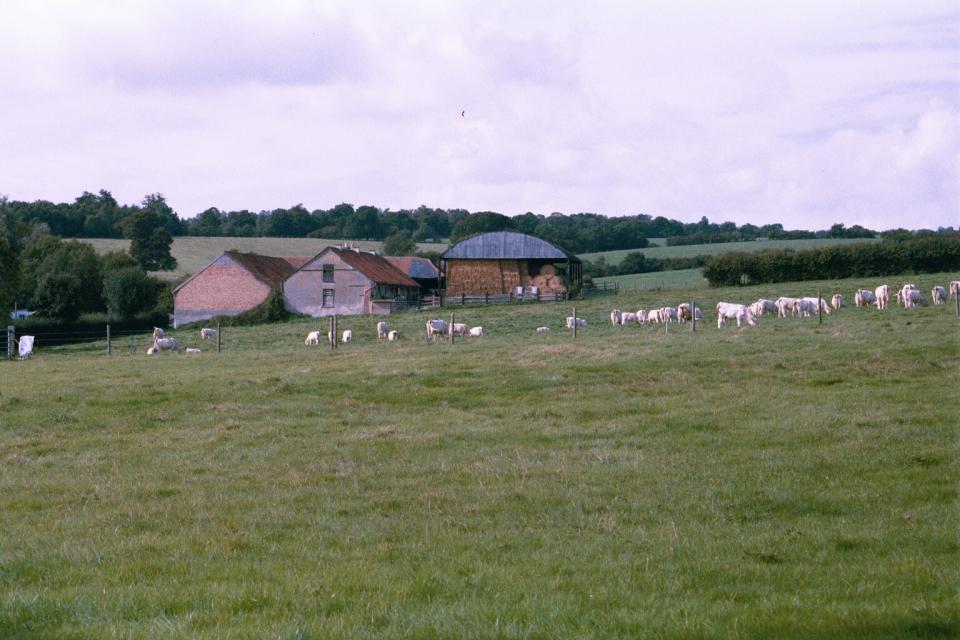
908, 296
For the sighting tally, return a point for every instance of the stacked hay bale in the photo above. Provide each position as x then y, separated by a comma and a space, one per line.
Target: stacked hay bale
549, 280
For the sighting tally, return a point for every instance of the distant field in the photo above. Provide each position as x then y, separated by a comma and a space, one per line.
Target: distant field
791, 481
614, 257
678, 279
193, 253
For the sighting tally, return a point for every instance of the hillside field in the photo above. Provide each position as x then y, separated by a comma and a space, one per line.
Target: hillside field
193, 252
685, 251
683, 279
793, 480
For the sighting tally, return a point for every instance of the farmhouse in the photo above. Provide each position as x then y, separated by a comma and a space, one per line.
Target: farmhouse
232, 283
509, 262
348, 281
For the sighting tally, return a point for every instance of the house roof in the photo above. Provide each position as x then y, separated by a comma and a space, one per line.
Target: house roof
374, 267
506, 245
270, 270
414, 266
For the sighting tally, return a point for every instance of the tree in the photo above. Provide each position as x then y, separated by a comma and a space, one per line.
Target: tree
9, 275
128, 291
59, 295
156, 204
481, 222
208, 223
149, 241
399, 244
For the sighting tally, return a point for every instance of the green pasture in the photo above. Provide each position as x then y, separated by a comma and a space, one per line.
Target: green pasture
686, 251
793, 480
677, 279
193, 253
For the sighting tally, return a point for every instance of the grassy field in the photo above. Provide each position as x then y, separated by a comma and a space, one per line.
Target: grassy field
686, 279
193, 253
792, 480
684, 251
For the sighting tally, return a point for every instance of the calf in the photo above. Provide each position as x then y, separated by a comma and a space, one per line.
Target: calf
312, 338
543, 329
347, 336
837, 301
616, 317
476, 332
393, 336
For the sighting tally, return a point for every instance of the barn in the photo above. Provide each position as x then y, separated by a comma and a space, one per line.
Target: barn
419, 269
232, 283
508, 262
348, 281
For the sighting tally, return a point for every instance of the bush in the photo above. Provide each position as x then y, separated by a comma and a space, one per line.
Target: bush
270, 310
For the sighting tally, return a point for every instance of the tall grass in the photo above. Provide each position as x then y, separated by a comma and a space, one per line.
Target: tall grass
795, 480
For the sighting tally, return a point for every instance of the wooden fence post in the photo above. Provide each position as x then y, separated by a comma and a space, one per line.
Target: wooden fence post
957, 300
693, 315
574, 323
11, 338
218, 337
452, 332
109, 345
819, 308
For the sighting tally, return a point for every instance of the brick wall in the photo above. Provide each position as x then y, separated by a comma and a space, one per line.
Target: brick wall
223, 288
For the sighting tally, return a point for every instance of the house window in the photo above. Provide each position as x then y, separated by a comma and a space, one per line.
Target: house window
328, 297
327, 274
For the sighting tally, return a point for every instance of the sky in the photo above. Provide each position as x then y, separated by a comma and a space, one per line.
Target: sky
803, 113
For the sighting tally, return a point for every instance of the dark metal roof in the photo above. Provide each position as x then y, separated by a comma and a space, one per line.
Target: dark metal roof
414, 266
267, 269
506, 245
374, 267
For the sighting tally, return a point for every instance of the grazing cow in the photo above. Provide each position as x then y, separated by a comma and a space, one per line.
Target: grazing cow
627, 317
207, 332
393, 336
882, 295
459, 329
864, 297
912, 298
668, 314
762, 306
581, 322
805, 307
818, 302
684, 314
653, 316
476, 332
164, 344
729, 311
616, 317
347, 336
786, 306
939, 295
954, 288
543, 329
904, 296
436, 329
312, 338
382, 330
837, 301
641, 316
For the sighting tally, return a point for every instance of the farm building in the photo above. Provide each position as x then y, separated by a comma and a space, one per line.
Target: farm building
505, 261
348, 281
419, 269
232, 283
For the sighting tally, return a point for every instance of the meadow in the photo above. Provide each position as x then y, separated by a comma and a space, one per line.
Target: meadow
793, 480
690, 250
683, 279
193, 253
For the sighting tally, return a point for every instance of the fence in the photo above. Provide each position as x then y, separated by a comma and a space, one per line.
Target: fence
106, 340
441, 299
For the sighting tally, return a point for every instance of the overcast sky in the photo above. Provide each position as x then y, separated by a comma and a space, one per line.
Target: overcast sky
806, 113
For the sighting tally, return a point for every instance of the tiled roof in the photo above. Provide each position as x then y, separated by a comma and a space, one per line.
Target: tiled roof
374, 267
414, 266
268, 269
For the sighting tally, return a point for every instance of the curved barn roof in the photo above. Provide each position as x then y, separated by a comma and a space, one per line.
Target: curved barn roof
506, 245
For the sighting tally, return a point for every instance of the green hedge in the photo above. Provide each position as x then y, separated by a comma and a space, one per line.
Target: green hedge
921, 255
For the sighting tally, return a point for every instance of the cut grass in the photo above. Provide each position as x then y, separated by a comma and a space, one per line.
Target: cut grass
194, 253
690, 250
794, 480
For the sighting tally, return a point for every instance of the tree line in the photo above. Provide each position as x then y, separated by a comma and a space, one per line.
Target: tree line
924, 254
99, 215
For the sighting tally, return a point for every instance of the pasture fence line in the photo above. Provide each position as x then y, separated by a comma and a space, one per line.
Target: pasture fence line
10, 341
442, 299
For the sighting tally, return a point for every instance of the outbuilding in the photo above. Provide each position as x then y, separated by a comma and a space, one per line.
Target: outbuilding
508, 262
348, 281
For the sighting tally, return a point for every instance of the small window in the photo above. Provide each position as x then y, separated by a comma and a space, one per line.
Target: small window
327, 273
328, 297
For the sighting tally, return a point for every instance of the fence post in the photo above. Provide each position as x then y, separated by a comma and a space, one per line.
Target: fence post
957, 300
218, 337
463, 298
819, 308
109, 345
133, 345
11, 338
693, 315
452, 332
486, 298
574, 323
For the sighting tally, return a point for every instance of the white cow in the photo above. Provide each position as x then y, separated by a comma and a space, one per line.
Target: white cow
543, 329
581, 322
805, 307
837, 301
627, 317
762, 306
476, 332
393, 336
157, 333
164, 344
653, 316
912, 298
954, 288
786, 306
882, 294
193, 350
312, 338
904, 296
667, 314
382, 330
436, 329
684, 314
864, 297
347, 336
939, 295
641, 316
818, 302
460, 329
729, 311
616, 317
207, 332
